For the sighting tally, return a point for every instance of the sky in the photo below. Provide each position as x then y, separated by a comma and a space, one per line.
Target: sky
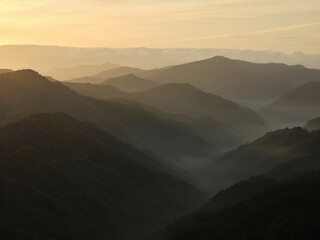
279, 25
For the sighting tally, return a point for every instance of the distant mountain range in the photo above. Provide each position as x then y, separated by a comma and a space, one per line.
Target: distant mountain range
102, 76
181, 98
250, 84
67, 73
48, 57
70, 180
120, 152
239, 80
296, 107
26, 92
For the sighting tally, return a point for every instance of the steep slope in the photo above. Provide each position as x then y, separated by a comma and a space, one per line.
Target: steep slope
282, 153
79, 71
64, 179
239, 80
186, 99
130, 83
296, 107
25, 92
287, 210
117, 72
313, 124
238, 193
217, 118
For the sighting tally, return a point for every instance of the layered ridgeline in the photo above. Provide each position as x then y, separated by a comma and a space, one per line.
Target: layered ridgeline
26, 92
279, 154
181, 98
313, 124
130, 83
66, 73
47, 57
249, 83
256, 209
296, 107
64, 179
105, 75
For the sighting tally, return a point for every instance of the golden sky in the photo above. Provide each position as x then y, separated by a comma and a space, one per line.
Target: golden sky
283, 25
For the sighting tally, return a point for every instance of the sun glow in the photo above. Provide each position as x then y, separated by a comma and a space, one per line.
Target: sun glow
279, 25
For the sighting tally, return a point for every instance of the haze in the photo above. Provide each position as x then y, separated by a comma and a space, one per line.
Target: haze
285, 25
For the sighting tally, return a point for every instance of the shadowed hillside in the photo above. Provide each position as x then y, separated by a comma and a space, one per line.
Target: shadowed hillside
287, 210
313, 124
280, 154
69, 180
295, 108
179, 98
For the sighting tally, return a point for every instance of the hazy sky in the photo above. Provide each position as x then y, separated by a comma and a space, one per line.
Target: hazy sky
284, 25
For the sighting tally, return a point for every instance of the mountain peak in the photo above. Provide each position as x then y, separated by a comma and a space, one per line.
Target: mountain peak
23, 75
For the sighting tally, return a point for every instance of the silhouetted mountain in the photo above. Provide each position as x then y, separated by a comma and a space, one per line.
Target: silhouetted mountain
187, 99
313, 124
66, 73
287, 210
5, 71
130, 83
239, 80
295, 108
117, 72
42, 57
64, 179
26, 92
280, 154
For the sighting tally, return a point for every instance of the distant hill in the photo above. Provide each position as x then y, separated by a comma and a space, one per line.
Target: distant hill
70, 180
25, 92
296, 107
67, 73
41, 57
286, 210
279, 154
5, 71
130, 83
117, 72
92, 80
239, 80
313, 124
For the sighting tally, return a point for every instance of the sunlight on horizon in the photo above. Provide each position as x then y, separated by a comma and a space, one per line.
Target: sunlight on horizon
241, 24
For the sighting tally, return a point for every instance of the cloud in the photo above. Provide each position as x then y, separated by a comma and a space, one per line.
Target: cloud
253, 33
